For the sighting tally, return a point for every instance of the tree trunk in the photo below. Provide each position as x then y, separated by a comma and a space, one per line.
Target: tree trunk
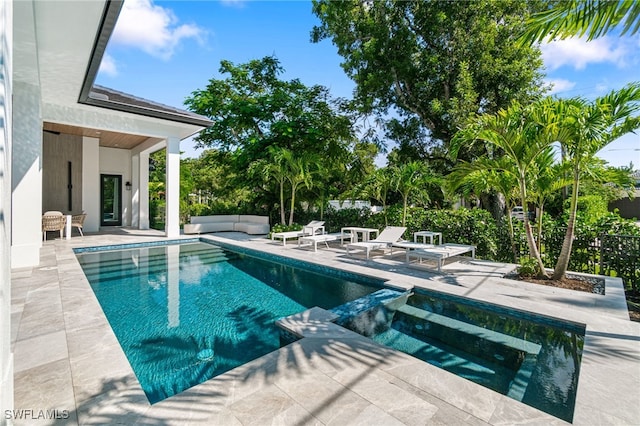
404, 209
563, 260
512, 239
494, 203
539, 219
282, 220
533, 248
293, 203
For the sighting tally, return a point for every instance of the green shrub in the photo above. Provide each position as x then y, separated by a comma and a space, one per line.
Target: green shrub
528, 267
590, 208
337, 219
198, 209
278, 227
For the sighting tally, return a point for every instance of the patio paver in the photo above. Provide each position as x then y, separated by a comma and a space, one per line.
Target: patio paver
62, 341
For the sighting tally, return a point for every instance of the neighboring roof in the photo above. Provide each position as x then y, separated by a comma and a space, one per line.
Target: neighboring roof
110, 98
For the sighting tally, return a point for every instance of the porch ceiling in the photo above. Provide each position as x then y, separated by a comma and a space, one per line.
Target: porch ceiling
107, 138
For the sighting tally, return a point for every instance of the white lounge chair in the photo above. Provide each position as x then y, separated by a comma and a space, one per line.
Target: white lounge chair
313, 240
440, 253
312, 228
387, 237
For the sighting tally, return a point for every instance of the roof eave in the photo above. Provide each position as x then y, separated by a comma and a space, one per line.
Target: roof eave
107, 24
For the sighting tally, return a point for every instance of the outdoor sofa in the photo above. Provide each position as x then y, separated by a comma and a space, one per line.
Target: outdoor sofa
249, 224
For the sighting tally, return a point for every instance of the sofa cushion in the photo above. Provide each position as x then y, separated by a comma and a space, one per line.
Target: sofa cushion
215, 218
199, 228
253, 219
252, 228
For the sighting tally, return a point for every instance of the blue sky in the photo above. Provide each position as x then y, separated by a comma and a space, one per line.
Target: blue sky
164, 50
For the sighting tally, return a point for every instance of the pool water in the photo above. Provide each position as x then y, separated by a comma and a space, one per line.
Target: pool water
184, 313
533, 359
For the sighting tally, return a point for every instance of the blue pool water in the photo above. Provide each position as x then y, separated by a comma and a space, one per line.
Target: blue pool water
184, 313
533, 359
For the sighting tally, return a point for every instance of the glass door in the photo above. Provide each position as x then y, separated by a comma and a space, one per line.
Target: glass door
111, 200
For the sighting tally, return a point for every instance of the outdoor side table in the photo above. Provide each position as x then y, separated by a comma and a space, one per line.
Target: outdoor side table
427, 234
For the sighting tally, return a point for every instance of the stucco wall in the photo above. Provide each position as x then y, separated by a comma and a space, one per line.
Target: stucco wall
6, 356
115, 161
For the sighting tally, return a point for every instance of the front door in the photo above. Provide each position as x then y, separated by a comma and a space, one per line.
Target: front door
111, 200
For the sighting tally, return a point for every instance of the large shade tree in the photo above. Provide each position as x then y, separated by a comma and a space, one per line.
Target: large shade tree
431, 63
253, 109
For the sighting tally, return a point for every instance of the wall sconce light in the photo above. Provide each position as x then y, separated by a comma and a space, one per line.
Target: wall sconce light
127, 186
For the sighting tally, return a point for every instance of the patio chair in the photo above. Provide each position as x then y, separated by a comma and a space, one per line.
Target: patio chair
77, 221
387, 237
53, 221
312, 228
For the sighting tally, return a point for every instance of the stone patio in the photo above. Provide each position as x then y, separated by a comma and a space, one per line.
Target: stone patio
66, 356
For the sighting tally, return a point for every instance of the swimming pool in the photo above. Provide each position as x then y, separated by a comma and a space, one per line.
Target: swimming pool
530, 358
184, 313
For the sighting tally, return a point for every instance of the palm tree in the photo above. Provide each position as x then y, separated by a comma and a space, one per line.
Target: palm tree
584, 128
376, 187
484, 175
593, 18
514, 134
300, 171
548, 177
411, 178
274, 167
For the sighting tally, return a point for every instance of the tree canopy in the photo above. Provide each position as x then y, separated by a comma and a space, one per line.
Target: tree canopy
254, 110
433, 63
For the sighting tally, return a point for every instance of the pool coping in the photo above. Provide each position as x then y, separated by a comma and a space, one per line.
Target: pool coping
83, 361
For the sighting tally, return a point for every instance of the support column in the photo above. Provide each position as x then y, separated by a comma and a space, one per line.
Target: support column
143, 191
135, 191
172, 188
91, 183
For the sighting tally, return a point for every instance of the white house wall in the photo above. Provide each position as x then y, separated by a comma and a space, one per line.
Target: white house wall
115, 161
6, 356
26, 153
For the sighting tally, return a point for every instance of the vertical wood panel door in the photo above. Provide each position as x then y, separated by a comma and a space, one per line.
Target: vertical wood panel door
111, 200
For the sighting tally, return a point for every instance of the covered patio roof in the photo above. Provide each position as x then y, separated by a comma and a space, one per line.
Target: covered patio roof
69, 42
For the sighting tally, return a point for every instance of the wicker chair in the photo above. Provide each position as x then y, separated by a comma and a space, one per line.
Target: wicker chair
77, 221
53, 221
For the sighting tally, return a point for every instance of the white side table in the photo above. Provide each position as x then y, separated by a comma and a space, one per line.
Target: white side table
427, 234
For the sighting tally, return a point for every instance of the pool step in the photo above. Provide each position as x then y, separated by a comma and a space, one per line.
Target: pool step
483, 333
153, 264
493, 376
518, 385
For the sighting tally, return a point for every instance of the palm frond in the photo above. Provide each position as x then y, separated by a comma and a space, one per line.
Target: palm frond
593, 18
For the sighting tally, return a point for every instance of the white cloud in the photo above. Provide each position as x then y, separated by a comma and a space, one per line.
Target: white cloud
602, 87
558, 85
234, 3
578, 52
108, 66
152, 28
